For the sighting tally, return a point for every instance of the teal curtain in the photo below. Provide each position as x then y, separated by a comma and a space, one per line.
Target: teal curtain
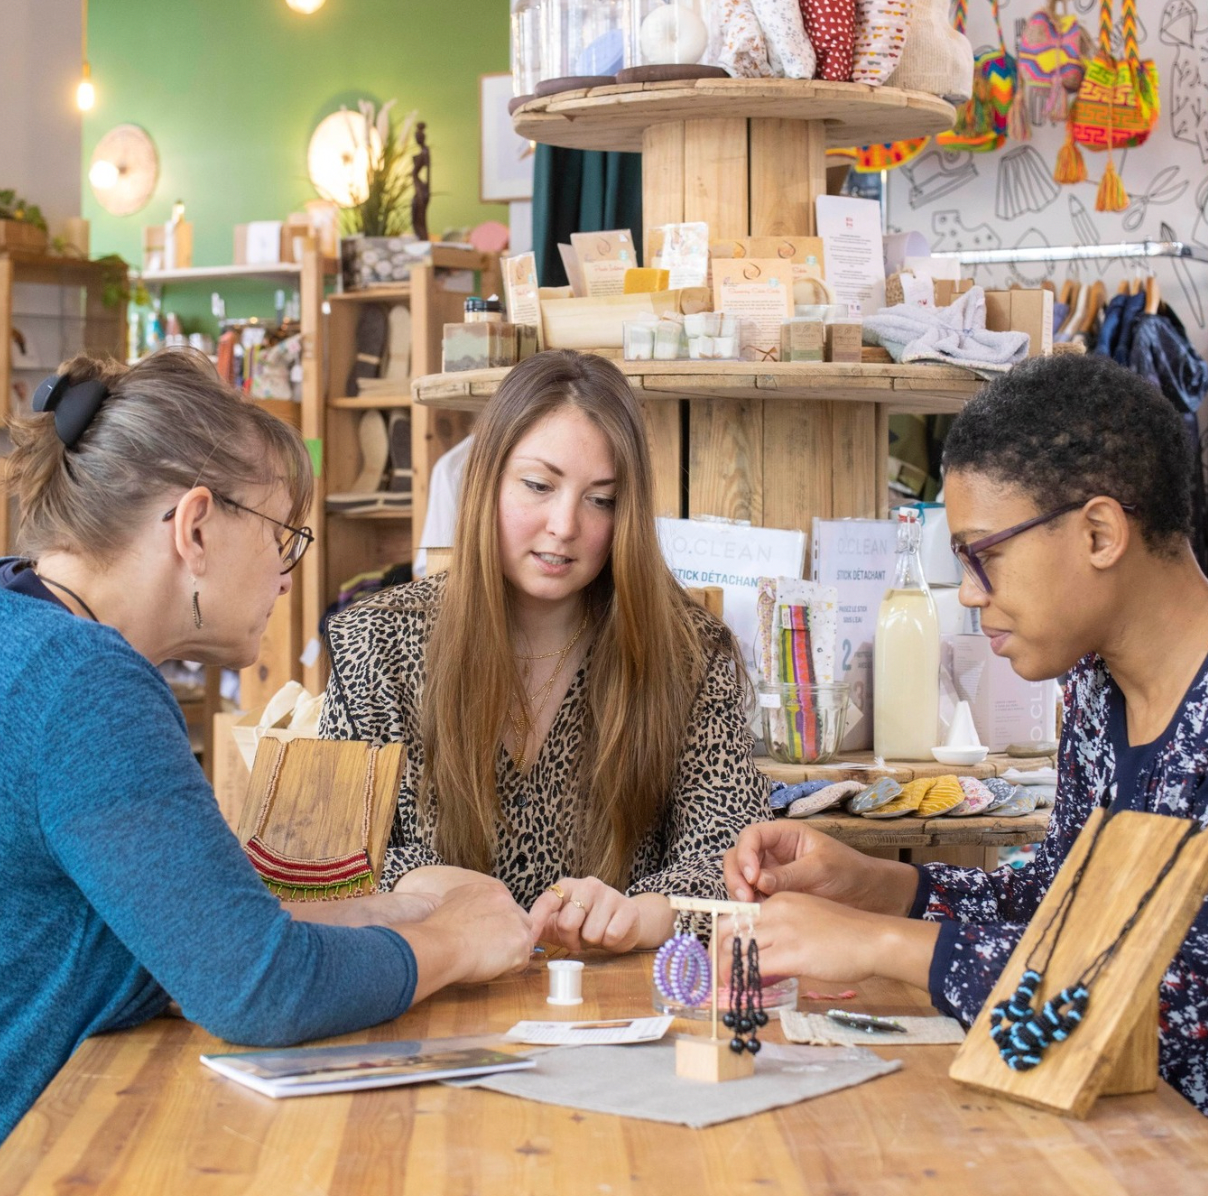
581, 191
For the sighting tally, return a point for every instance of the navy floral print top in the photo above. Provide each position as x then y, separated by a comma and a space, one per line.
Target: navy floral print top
984, 914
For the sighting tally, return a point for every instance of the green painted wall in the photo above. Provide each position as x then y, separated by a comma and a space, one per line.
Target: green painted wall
230, 91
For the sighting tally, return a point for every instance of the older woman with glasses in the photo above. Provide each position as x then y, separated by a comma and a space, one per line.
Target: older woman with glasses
1068, 488
124, 886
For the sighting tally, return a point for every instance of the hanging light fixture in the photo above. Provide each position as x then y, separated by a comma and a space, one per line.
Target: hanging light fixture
85, 92
305, 6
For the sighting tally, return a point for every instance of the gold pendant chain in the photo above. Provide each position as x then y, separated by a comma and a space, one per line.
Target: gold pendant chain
523, 722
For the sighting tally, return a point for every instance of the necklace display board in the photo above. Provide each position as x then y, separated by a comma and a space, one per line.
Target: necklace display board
1140, 862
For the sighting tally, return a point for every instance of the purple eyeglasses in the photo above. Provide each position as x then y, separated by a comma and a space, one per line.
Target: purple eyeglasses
968, 556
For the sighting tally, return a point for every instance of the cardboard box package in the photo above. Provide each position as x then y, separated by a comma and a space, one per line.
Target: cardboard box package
1022, 310
1006, 707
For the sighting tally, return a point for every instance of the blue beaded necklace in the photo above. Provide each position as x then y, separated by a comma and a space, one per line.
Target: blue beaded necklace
1021, 1032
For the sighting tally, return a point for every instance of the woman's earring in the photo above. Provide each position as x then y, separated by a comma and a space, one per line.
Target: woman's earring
196, 606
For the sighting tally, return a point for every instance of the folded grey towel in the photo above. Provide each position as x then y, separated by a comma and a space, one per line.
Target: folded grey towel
954, 335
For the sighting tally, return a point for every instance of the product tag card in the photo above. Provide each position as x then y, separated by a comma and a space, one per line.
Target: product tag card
603, 259
760, 292
520, 288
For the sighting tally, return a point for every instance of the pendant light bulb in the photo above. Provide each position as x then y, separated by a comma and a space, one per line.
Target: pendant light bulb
85, 93
306, 7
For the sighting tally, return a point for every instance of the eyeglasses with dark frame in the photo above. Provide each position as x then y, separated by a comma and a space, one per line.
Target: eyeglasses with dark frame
968, 554
292, 548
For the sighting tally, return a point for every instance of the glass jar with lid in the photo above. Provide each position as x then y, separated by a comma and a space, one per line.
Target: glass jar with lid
669, 39
583, 43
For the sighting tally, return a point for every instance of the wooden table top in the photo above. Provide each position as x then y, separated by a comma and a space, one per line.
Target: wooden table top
135, 1112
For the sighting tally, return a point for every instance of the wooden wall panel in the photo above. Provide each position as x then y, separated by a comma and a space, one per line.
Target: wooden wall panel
715, 176
664, 434
725, 458
662, 180
855, 452
796, 463
788, 169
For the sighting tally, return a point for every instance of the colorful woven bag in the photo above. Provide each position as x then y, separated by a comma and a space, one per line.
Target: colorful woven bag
981, 124
1117, 107
1052, 48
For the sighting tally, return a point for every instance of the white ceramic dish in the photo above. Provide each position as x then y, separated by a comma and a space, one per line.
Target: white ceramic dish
960, 755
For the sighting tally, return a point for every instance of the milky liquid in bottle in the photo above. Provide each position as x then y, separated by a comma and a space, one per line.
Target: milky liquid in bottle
906, 654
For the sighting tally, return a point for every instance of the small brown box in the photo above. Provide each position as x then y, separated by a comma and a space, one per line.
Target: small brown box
948, 290
844, 342
802, 340
153, 247
1022, 310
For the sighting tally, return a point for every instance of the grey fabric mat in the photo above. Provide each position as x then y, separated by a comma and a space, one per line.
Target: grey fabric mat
640, 1081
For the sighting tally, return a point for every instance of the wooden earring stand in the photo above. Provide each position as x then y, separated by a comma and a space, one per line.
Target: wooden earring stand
1114, 1050
710, 1059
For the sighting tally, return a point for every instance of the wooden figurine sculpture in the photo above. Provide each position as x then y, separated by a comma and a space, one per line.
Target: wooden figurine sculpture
421, 182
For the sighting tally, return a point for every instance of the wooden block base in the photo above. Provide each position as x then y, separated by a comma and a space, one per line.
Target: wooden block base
710, 1060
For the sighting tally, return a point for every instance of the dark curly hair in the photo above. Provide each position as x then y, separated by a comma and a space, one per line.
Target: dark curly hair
1065, 428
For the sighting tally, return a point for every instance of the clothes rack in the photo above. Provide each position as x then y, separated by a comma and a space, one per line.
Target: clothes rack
1075, 253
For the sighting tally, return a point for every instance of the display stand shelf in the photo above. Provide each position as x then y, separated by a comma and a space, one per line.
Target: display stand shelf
747, 157
617, 117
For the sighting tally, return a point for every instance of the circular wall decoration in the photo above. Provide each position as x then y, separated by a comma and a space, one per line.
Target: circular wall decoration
124, 170
339, 154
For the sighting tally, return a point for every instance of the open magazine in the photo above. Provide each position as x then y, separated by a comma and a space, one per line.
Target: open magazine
304, 1071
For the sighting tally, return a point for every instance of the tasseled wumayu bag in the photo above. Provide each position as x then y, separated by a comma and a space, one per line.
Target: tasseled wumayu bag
981, 123
1117, 107
1052, 48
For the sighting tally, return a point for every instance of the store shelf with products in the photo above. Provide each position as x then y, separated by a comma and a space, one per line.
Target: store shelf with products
776, 444
348, 543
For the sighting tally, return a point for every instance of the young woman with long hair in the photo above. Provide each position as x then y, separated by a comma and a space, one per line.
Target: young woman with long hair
574, 723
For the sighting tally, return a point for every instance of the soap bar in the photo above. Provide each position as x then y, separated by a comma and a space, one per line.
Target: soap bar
644, 280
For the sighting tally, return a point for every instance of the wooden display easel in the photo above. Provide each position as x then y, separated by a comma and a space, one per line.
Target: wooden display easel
1115, 1048
710, 1059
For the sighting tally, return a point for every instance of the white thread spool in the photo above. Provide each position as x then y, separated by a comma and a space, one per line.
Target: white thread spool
565, 982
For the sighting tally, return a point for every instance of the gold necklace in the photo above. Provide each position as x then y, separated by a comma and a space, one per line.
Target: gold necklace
523, 722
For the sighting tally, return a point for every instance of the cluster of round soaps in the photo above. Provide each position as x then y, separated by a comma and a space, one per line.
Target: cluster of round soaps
927, 797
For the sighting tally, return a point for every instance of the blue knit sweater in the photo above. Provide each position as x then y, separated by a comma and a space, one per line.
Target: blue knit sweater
122, 885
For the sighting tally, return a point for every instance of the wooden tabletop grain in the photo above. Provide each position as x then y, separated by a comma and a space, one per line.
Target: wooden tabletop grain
136, 1113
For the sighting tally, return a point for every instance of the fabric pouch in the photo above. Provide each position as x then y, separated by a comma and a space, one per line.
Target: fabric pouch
981, 123
790, 52
831, 27
736, 42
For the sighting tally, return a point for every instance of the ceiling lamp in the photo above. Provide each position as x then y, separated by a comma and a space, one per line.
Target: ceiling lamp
337, 159
85, 92
305, 7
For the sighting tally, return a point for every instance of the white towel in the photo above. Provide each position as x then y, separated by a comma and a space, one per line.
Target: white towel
954, 335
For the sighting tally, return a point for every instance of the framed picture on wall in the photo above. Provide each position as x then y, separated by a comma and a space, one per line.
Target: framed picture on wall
505, 160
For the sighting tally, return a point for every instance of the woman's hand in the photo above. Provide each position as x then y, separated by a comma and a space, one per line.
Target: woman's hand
580, 912
786, 856
803, 935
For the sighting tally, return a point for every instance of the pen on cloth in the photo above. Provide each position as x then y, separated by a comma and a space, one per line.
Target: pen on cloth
865, 1021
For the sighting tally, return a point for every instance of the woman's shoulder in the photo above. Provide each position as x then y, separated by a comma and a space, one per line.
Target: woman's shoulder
411, 603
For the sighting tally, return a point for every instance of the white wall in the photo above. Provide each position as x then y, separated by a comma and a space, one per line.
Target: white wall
1007, 198
39, 123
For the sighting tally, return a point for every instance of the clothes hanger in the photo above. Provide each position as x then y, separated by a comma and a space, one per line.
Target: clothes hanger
1094, 305
1069, 289
1152, 296
1074, 322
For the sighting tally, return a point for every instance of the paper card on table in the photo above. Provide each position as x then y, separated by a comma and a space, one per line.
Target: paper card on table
855, 264
819, 1030
601, 1032
805, 253
604, 257
683, 250
760, 292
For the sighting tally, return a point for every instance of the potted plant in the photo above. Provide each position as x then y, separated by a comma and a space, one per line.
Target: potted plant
22, 225
379, 224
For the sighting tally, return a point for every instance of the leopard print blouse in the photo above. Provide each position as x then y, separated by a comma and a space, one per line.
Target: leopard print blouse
376, 691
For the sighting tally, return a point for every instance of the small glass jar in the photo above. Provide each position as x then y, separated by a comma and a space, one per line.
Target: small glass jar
668, 39
584, 43
483, 311
526, 47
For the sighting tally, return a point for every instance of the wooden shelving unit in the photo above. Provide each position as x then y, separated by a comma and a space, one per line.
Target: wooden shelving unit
57, 305
351, 543
772, 443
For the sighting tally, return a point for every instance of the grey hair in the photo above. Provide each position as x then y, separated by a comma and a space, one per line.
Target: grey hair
168, 424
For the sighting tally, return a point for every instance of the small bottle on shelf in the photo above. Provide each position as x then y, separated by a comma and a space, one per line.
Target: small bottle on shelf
906, 654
